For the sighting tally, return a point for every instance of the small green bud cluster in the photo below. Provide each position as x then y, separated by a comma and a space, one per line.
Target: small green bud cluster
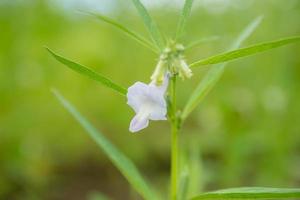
171, 60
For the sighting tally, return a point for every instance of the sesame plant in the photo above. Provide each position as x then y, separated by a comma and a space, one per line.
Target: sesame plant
157, 101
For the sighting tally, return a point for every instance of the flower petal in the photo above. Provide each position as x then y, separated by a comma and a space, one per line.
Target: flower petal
138, 123
136, 95
162, 88
158, 113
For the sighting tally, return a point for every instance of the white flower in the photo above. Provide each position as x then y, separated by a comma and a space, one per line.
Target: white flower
148, 102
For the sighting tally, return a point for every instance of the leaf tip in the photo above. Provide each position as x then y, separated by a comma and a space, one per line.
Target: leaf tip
54, 91
261, 17
48, 49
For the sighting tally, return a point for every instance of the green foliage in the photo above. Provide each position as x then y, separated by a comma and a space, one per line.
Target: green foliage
195, 165
183, 184
250, 193
183, 18
209, 81
127, 31
150, 24
124, 164
254, 104
89, 73
239, 53
202, 41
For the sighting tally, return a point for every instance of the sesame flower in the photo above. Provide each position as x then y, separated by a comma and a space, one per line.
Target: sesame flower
148, 102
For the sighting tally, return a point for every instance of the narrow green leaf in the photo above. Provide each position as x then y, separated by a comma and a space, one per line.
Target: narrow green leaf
127, 31
215, 73
124, 164
248, 51
202, 41
251, 193
88, 72
183, 18
183, 184
150, 24
246, 33
197, 180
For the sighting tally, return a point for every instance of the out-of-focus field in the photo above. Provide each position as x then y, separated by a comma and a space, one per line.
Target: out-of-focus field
247, 129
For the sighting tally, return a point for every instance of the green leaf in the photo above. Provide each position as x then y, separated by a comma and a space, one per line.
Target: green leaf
248, 51
183, 18
127, 31
202, 41
88, 72
214, 74
197, 180
150, 24
250, 193
124, 164
183, 184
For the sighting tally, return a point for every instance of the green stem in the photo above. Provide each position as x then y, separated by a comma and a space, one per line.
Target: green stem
174, 141
174, 162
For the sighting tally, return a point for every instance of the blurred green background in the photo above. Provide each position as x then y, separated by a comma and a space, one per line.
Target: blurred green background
247, 129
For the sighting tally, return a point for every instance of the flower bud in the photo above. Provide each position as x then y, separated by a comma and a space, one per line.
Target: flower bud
171, 60
184, 70
159, 72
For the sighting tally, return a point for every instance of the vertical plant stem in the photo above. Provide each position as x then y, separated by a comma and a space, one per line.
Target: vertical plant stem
174, 141
174, 162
